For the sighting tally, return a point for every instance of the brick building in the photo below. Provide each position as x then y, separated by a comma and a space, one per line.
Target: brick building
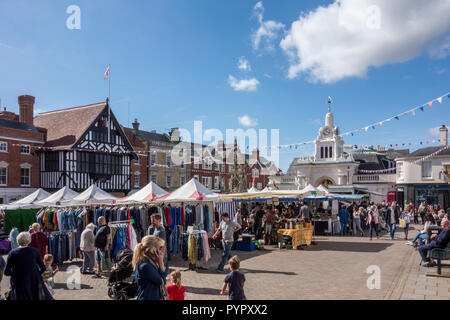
19, 163
140, 165
161, 168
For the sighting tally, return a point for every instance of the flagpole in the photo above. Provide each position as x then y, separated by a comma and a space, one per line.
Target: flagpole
109, 103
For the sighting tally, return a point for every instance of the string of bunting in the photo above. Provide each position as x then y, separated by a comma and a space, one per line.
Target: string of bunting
414, 162
373, 125
396, 145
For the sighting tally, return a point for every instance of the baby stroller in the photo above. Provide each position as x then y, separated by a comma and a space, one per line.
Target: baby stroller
121, 282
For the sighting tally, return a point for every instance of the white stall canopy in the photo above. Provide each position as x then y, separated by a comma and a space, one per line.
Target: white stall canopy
150, 192
191, 191
92, 195
29, 201
59, 196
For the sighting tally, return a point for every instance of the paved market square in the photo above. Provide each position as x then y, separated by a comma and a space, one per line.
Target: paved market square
332, 268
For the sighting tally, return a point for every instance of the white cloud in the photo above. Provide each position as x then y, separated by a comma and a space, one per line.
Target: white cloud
246, 121
435, 131
268, 30
244, 84
243, 64
348, 37
37, 111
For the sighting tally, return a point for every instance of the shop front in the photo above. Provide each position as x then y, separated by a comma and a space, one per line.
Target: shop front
435, 194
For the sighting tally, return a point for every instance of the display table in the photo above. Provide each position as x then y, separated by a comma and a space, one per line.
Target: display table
326, 226
299, 237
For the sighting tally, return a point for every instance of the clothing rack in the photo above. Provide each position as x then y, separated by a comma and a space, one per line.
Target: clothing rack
120, 222
196, 234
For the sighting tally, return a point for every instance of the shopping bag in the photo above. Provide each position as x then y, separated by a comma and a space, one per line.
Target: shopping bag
402, 223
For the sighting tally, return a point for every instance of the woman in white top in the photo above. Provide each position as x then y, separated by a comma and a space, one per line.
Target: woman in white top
357, 221
422, 235
406, 215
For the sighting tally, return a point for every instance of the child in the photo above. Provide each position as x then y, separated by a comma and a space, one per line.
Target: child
49, 273
235, 281
175, 291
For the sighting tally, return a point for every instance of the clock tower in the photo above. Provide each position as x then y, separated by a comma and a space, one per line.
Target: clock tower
329, 143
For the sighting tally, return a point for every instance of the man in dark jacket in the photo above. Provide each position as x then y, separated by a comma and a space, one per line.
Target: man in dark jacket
392, 218
441, 241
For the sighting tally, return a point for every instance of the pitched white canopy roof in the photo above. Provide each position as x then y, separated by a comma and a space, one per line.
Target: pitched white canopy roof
323, 189
191, 191
252, 190
29, 201
310, 190
59, 196
150, 192
92, 195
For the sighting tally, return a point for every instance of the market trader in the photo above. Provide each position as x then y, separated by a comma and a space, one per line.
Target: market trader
228, 228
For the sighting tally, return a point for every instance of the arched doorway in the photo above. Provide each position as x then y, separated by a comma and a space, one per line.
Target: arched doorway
325, 181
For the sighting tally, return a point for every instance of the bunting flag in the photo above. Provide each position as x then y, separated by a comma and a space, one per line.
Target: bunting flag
378, 123
414, 162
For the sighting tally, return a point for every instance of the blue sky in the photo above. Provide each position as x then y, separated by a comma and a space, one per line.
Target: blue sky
171, 63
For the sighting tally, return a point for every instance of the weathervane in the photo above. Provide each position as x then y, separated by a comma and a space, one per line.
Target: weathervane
330, 101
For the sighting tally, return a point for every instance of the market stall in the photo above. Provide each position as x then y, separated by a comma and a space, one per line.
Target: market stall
63, 194
28, 202
190, 210
91, 196
149, 193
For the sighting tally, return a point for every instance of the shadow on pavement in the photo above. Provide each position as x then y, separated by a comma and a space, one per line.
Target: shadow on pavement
64, 286
177, 262
210, 291
349, 246
243, 270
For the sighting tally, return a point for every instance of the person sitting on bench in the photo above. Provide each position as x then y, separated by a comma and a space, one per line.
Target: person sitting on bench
440, 241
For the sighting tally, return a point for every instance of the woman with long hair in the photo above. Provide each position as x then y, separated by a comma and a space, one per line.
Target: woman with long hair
422, 235
150, 271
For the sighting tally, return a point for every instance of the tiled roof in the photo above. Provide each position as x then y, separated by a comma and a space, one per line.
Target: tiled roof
428, 150
11, 124
65, 127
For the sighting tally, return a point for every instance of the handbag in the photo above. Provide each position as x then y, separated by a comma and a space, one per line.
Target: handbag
402, 223
163, 292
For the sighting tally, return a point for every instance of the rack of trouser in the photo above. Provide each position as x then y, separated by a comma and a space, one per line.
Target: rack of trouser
62, 246
194, 247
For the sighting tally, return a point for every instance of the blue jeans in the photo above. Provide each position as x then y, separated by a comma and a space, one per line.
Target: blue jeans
343, 228
406, 230
421, 237
226, 255
392, 230
423, 250
357, 226
373, 227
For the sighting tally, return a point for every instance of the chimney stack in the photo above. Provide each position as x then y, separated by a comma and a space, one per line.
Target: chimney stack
26, 106
443, 135
175, 135
135, 126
